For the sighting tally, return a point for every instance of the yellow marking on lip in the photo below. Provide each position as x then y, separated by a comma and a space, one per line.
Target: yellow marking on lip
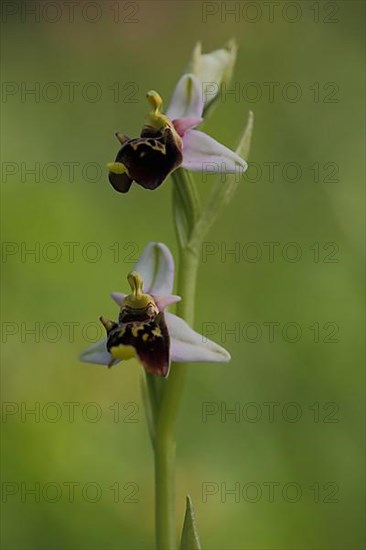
149, 142
123, 352
117, 168
136, 329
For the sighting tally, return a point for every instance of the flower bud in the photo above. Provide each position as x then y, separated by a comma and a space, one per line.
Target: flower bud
213, 69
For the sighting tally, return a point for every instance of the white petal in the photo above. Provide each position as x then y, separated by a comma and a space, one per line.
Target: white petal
156, 267
190, 346
203, 153
98, 354
187, 101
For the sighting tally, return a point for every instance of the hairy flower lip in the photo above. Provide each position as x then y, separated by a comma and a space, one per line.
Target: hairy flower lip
148, 160
156, 266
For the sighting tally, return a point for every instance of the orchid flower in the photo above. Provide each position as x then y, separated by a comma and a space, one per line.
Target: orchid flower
144, 329
168, 141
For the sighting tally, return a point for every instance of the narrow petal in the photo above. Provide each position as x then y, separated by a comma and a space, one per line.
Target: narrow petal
161, 301
201, 152
97, 354
183, 124
118, 297
156, 267
164, 301
190, 346
187, 100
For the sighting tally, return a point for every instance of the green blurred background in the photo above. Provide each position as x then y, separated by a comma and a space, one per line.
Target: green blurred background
319, 452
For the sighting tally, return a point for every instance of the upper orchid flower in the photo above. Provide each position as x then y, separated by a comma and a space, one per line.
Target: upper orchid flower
144, 330
168, 141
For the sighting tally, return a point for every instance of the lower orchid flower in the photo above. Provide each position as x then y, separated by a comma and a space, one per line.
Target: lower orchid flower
168, 141
144, 329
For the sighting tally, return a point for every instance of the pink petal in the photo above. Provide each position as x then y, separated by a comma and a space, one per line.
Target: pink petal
164, 301
183, 124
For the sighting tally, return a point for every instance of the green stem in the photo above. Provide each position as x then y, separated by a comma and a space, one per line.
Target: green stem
151, 389
186, 205
165, 445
